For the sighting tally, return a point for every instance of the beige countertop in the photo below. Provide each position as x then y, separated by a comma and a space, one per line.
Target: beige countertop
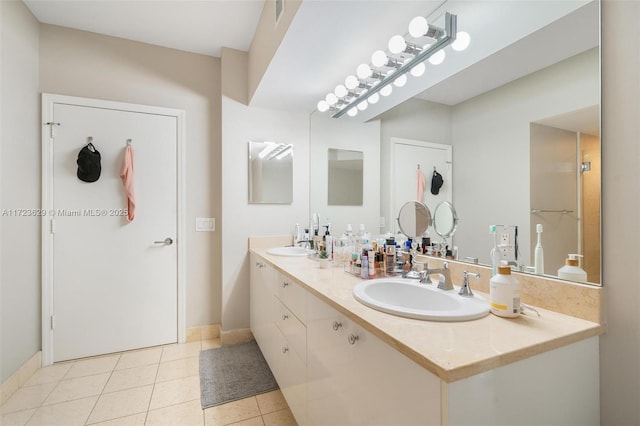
450, 350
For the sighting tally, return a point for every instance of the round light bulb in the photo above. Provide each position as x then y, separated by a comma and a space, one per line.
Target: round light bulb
341, 91
331, 99
352, 112
374, 98
397, 44
418, 70
323, 106
437, 58
379, 59
363, 105
463, 39
363, 71
351, 82
418, 26
400, 81
386, 90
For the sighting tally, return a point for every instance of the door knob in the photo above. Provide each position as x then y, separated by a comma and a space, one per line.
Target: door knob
167, 241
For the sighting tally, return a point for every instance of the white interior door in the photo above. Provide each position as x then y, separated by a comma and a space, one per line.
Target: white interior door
114, 287
407, 156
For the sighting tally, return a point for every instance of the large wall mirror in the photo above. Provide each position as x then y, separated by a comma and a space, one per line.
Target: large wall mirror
270, 173
523, 121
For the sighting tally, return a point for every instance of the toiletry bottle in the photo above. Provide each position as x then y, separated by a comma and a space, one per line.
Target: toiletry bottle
391, 257
328, 242
539, 253
571, 270
364, 269
372, 264
504, 293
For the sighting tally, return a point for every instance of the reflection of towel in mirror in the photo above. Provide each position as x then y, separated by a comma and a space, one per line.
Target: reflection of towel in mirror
421, 185
127, 180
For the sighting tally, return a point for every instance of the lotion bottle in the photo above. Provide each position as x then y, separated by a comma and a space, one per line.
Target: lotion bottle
571, 270
504, 293
539, 253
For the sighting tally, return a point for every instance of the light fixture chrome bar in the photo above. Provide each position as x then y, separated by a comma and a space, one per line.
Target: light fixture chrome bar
448, 38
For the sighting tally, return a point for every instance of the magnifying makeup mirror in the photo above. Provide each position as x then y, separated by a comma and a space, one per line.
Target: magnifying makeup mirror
414, 219
445, 219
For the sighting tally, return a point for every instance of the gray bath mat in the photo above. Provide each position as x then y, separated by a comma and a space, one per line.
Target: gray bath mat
233, 372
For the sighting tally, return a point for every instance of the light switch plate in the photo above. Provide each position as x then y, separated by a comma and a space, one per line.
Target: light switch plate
205, 224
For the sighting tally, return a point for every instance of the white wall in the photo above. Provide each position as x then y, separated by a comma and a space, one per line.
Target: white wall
327, 132
240, 220
491, 133
620, 346
20, 188
89, 65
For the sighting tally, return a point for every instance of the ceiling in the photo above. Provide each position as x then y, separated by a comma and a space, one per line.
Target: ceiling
329, 38
200, 26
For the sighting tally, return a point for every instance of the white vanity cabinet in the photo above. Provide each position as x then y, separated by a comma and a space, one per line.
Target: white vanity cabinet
354, 378
334, 372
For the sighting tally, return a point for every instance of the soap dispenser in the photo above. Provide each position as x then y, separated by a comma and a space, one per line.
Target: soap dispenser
571, 270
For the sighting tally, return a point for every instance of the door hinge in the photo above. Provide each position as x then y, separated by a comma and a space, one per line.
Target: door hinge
53, 322
52, 228
52, 125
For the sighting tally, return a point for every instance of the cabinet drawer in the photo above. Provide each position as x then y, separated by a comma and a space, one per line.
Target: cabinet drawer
293, 296
293, 330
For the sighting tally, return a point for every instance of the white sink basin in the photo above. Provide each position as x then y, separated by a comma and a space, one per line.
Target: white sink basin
407, 298
289, 251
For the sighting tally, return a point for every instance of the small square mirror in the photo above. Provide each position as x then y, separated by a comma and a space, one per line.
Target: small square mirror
270, 173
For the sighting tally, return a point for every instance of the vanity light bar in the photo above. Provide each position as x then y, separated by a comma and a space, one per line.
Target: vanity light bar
353, 101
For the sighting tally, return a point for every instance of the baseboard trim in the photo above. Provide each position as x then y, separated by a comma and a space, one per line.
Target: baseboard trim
232, 337
205, 332
20, 377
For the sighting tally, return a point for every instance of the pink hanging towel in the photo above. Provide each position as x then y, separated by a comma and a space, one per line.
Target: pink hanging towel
421, 185
127, 180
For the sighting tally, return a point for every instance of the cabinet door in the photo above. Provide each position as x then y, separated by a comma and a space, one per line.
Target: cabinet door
355, 378
262, 301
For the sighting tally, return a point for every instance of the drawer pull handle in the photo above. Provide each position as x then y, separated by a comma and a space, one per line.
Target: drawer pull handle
285, 317
337, 325
285, 349
284, 284
353, 338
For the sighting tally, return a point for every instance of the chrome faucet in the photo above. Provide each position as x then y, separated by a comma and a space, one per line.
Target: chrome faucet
444, 283
465, 290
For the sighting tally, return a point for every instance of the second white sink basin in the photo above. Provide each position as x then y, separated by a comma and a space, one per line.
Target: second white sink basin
289, 251
407, 298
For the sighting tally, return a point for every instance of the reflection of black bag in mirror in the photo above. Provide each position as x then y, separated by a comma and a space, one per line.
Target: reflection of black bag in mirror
436, 182
89, 164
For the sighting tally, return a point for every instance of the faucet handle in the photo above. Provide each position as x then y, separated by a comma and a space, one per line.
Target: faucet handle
465, 291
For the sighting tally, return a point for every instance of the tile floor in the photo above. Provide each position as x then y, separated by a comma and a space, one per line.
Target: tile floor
155, 386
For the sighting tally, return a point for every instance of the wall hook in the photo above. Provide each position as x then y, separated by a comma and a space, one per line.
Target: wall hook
128, 142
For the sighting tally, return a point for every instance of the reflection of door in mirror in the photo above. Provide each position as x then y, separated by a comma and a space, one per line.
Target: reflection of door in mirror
345, 178
407, 155
565, 196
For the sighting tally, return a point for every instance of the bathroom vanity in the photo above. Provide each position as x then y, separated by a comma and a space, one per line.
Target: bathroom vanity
339, 362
